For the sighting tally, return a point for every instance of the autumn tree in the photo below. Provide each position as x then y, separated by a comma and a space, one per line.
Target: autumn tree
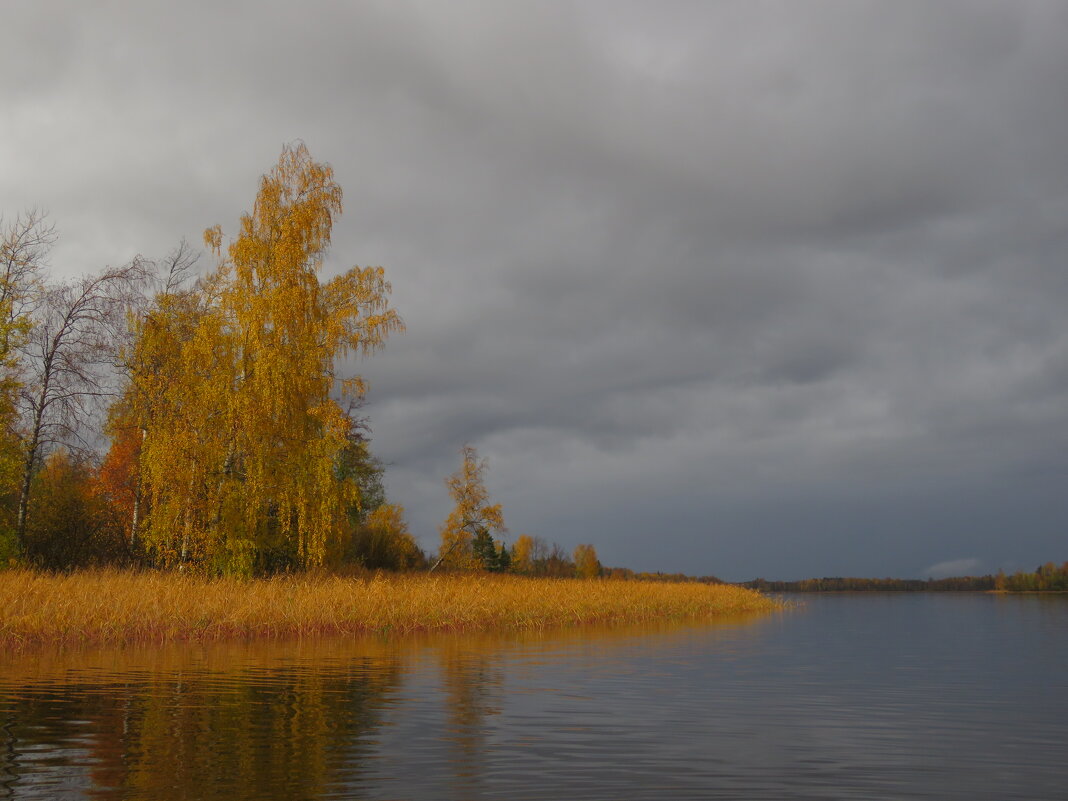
523, 556
24, 246
74, 524
288, 430
383, 541
119, 479
586, 563
68, 356
179, 365
243, 434
149, 360
472, 516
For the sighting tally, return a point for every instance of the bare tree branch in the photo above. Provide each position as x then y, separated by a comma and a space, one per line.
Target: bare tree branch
69, 356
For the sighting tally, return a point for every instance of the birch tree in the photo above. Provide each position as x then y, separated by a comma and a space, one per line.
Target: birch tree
68, 357
179, 403
472, 516
147, 364
24, 246
243, 429
587, 564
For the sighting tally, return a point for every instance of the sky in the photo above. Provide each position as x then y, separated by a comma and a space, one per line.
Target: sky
744, 288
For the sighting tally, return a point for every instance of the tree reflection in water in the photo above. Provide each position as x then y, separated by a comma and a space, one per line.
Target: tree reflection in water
228, 722
412, 717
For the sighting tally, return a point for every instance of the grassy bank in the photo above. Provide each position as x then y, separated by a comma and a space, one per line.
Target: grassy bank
114, 606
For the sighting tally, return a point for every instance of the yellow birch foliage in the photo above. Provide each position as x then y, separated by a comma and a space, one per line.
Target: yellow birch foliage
472, 512
180, 397
387, 541
586, 562
242, 435
523, 554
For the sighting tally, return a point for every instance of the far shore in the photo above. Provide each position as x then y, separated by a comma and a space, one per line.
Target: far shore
112, 606
1028, 592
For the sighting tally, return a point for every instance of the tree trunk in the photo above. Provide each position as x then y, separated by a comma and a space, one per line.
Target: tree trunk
24, 502
186, 526
136, 521
27, 480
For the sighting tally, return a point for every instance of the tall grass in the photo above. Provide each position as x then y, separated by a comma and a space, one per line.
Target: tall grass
115, 606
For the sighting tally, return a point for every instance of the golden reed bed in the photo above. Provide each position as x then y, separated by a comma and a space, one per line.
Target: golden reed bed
115, 606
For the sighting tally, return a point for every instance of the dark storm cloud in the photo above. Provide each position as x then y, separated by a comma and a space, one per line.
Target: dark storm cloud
730, 288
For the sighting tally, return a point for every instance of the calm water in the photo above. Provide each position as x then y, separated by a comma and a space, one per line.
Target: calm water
848, 697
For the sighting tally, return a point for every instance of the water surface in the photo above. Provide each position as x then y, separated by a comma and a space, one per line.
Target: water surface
860, 696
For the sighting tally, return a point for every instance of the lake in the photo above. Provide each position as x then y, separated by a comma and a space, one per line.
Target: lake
853, 696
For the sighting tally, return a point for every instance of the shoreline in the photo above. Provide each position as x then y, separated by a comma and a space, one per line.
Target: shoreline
113, 607
1028, 592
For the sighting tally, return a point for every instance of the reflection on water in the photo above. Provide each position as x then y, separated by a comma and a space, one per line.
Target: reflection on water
197, 723
864, 696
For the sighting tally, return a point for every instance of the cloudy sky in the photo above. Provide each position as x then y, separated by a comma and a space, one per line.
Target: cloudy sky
747, 288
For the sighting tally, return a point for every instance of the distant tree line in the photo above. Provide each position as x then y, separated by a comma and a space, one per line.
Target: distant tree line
839, 584
626, 574
1046, 578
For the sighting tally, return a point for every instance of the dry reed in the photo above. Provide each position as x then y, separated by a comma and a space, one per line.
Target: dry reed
115, 606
